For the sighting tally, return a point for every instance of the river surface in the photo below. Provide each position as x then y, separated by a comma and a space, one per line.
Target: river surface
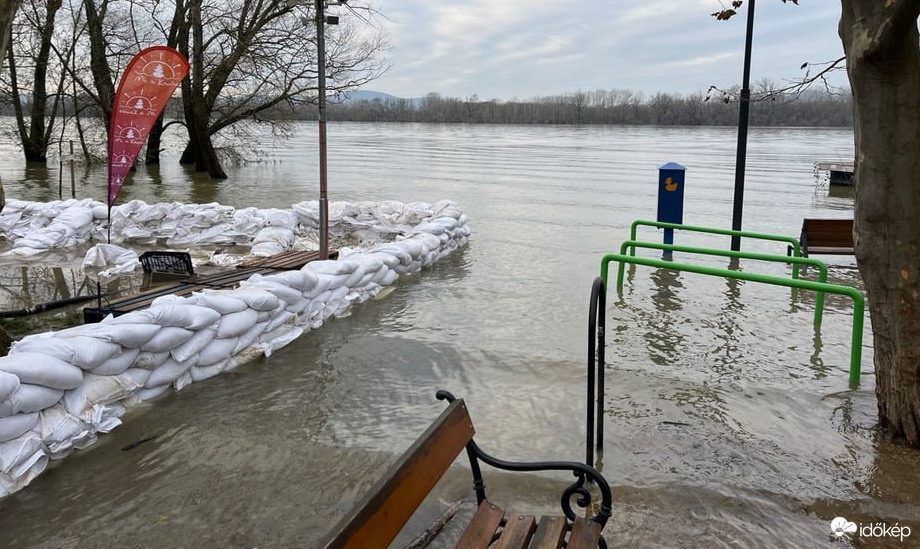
729, 420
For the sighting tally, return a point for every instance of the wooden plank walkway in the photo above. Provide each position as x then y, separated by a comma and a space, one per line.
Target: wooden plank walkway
284, 261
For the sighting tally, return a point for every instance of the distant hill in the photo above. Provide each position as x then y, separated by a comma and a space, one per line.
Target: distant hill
365, 95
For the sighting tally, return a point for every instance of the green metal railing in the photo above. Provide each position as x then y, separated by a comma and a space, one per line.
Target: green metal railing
857, 296
792, 241
631, 245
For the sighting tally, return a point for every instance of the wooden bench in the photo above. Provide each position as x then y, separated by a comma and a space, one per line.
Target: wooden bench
377, 519
827, 236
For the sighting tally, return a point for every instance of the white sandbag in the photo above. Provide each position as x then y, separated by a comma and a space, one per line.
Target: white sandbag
61, 431
413, 247
389, 278
395, 251
8, 385
117, 364
331, 267
49, 343
191, 347
279, 319
236, 324
167, 338
133, 317
82, 351
250, 337
96, 392
17, 456
16, 425
40, 369
153, 392
106, 262
200, 373
299, 280
223, 304
267, 249
246, 356
183, 381
169, 372
259, 300
9, 406
272, 344
150, 361
106, 417
137, 375
217, 350
285, 293
192, 317
30, 398
129, 335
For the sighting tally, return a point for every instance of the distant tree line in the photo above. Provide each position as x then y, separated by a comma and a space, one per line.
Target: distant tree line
808, 108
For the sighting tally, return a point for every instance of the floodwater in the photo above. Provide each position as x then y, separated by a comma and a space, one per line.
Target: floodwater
729, 420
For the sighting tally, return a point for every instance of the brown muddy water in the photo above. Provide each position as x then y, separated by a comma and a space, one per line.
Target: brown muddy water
729, 422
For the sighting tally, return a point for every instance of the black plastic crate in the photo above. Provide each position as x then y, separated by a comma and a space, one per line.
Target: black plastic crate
167, 262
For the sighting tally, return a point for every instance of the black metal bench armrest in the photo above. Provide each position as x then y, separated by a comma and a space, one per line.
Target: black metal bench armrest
582, 472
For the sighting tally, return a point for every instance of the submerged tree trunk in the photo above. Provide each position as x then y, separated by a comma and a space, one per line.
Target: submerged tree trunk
154, 141
35, 133
883, 62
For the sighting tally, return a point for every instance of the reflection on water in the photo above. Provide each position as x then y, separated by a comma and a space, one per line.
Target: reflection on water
729, 420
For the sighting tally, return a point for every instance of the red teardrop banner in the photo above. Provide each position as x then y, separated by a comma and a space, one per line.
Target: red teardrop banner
146, 86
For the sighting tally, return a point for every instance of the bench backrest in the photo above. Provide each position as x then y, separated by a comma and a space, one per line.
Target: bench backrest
377, 519
831, 233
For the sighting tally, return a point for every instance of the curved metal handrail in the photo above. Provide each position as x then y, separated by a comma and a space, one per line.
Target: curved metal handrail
581, 471
596, 347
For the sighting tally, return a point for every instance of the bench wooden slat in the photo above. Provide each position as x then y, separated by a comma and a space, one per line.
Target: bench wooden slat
827, 236
380, 515
550, 533
518, 532
478, 535
585, 534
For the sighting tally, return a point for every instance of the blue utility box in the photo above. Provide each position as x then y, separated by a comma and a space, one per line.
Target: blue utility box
671, 193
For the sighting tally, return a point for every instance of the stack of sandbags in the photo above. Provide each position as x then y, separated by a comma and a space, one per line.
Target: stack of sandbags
58, 390
35, 227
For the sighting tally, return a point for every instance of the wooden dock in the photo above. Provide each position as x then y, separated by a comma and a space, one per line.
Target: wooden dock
223, 280
840, 174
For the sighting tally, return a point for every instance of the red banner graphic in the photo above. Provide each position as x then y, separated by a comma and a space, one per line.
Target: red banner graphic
146, 86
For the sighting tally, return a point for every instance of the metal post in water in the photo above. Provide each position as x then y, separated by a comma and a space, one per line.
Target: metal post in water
743, 116
321, 84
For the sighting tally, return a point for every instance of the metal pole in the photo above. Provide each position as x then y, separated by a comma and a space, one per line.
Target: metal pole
321, 80
743, 115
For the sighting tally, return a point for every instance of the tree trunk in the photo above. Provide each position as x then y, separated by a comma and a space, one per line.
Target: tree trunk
154, 140
99, 63
200, 149
883, 62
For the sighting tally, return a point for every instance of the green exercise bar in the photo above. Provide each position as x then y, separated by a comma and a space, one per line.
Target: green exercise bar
859, 301
631, 246
794, 242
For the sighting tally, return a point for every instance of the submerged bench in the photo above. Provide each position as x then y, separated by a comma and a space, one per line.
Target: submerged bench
377, 519
827, 236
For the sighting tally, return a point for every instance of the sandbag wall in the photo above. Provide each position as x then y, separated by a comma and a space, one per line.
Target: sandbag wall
36, 227
58, 390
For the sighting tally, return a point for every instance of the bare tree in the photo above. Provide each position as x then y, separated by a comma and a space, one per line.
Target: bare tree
251, 57
31, 50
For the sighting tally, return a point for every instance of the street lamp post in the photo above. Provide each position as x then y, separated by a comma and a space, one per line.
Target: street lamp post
743, 116
321, 83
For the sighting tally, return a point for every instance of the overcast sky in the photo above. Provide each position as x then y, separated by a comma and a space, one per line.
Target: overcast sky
525, 48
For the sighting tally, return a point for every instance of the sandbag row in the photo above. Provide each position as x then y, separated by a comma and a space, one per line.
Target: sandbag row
58, 390
36, 227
